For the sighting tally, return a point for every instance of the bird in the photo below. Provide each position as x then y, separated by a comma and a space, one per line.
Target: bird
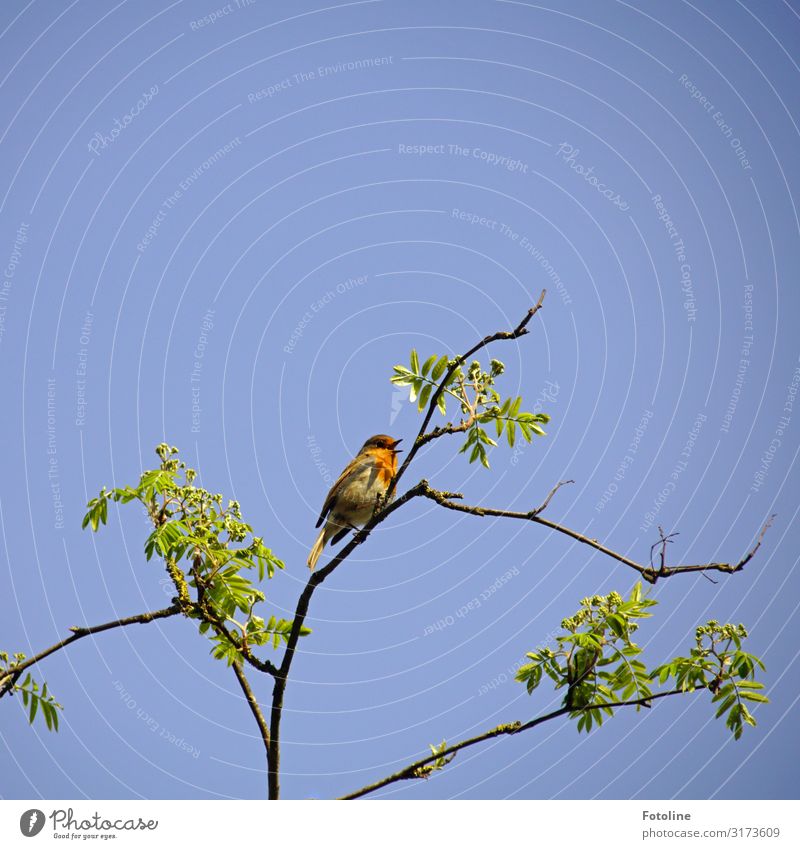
353, 498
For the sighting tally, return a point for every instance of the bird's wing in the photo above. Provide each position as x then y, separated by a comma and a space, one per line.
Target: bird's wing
354, 467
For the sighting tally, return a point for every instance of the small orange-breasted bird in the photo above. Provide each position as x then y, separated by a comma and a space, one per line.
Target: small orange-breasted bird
352, 499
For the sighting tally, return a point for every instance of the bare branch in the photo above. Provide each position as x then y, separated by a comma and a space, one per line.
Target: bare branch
315, 579
649, 573
444, 430
8, 680
721, 567
254, 706
416, 769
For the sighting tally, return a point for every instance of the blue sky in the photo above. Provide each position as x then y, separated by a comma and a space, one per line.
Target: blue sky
221, 227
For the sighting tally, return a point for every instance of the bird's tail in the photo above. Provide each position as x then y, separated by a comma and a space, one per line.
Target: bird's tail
316, 550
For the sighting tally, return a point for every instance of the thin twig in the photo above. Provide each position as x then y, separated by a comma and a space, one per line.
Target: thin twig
510, 728
252, 701
543, 506
649, 574
663, 541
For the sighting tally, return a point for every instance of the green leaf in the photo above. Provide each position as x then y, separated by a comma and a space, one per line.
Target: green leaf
439, 368
424, 396
617, 624
441, 403
402, 376
511, 433
754, 697
414, 361
426, 366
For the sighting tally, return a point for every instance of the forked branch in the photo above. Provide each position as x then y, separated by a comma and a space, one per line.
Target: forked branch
649, 573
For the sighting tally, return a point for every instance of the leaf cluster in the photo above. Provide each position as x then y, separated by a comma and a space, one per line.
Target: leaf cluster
718, 663
596, 660
472, 393
598, 664
33, 697
207, 547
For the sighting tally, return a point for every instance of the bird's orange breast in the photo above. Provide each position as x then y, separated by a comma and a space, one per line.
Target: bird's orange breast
386, 462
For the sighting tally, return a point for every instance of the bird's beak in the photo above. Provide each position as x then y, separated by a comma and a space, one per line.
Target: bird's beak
395, 448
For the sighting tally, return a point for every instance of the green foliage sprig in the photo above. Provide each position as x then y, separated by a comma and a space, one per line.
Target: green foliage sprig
475, 396
33, 697
598, 663
441, 761
208, 548
717, 663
